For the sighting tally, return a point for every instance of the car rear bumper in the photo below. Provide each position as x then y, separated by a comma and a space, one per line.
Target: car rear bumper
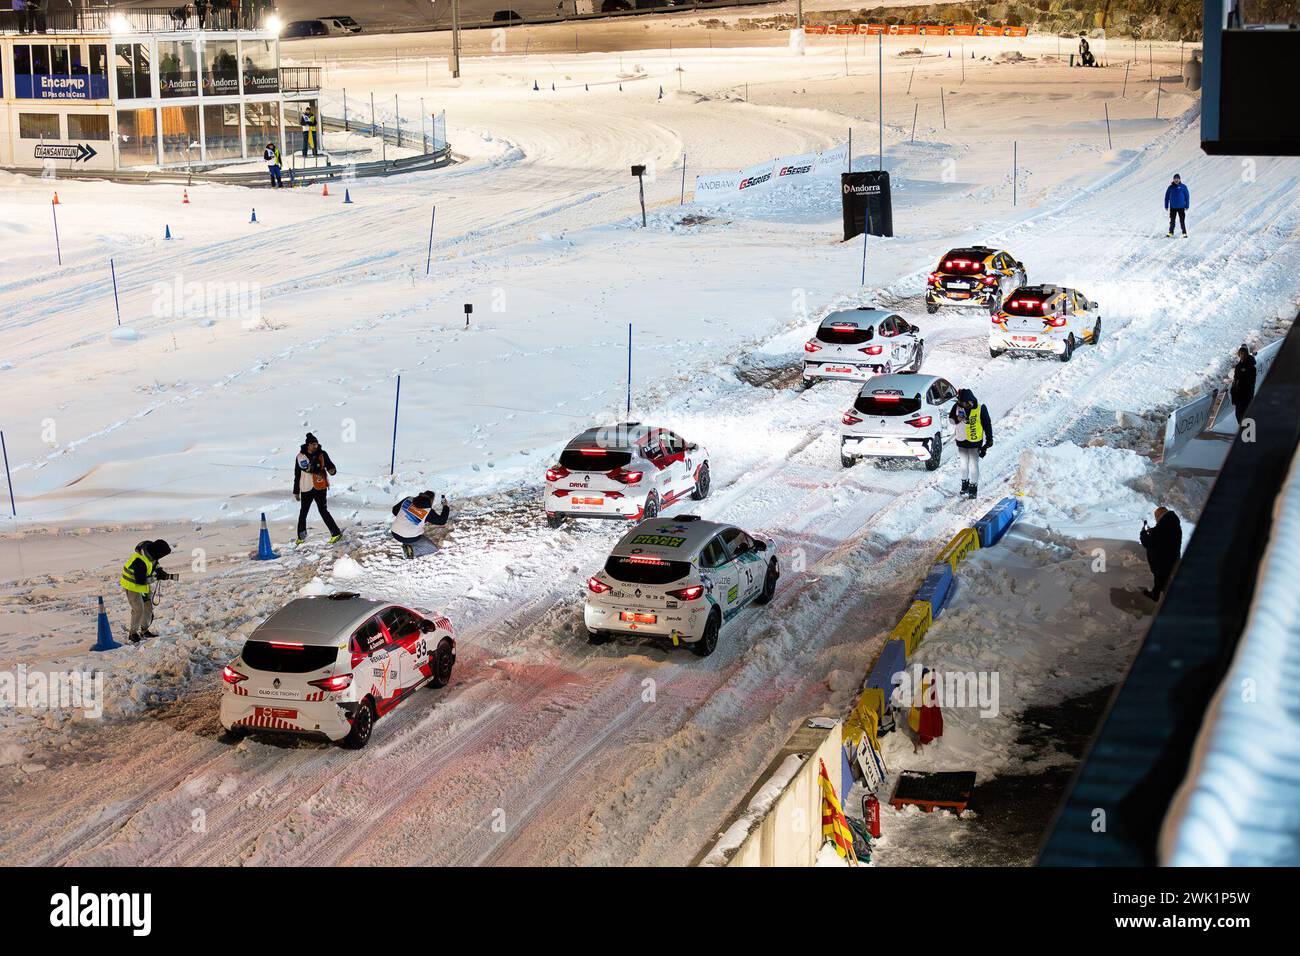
325, 718
884, 446
625, 508
1017, 342
679, 625
983, 296
846, 371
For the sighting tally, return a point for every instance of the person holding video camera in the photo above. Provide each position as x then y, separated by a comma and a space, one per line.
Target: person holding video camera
139, 574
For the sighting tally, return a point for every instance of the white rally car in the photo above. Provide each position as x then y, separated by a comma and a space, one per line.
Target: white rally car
331, 666
898, 416
1045, 318
679, 579
626, 472
856, 344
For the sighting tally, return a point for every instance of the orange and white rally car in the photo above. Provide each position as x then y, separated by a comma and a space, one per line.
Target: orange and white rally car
332, 666
973, 277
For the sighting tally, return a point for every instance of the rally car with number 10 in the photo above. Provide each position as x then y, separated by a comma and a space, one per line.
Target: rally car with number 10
679, 579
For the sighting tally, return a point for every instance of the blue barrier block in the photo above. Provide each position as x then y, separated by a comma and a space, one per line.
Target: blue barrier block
937, 587
998, 521
892, 659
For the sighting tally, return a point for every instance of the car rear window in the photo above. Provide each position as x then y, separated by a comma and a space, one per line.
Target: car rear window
641, 570
288, 658
844, 334
960, 262
887, 405
593, 459
1026, 306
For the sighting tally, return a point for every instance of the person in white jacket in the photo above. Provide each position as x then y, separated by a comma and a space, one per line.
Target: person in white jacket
411, 516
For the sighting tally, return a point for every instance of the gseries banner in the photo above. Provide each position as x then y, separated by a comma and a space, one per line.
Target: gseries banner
783, 169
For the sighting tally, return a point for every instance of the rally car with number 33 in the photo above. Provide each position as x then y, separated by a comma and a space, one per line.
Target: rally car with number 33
679, 579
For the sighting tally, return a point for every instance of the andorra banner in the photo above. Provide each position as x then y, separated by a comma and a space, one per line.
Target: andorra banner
780, 171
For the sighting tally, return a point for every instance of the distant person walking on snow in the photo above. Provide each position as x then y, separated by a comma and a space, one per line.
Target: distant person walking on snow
1164, 544
1242, 391
311, 470
1177, 200
972, 430
411, 516
274, 162
138, 576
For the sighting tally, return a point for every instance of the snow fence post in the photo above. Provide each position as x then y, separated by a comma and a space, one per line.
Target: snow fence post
12, 507
392, 461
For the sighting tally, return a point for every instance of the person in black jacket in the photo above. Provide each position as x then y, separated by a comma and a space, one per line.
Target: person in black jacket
972, 430
1242, 391
138, 575
311, 470
1164, 544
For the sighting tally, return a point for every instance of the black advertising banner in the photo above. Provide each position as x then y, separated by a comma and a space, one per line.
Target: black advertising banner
867, 205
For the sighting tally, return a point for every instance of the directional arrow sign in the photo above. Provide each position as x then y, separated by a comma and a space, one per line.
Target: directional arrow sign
77, 152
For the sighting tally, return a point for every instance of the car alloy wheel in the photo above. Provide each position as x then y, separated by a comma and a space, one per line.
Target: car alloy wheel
363, 722
708, 642
702, 483
443, 659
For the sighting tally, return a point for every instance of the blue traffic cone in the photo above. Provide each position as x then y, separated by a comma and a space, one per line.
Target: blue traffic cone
661, 92
167, 234
104, 638
347, 198
254, 219
586, 87
950, 54
620, 87
264, 552
535, 86
552, 87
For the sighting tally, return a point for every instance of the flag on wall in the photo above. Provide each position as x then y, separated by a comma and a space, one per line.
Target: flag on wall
834, 827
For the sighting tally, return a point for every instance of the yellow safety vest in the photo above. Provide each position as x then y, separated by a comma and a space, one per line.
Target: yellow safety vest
128, 582
974, 425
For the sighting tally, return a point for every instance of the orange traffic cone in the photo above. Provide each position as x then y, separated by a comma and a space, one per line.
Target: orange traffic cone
56, 200
326, 190
186, 201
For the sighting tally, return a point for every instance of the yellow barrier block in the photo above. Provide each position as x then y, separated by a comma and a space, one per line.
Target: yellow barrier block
912, 627
963, 543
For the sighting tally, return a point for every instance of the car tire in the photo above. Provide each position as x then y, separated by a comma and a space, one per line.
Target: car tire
363, 724
233, 735
651, 509
1096, 332
1069, 349
554, 521
769, 583
701, 483
931, 308
920, 358
444, 656
708, 642
996, 353
598, 637
846, 461
936, 453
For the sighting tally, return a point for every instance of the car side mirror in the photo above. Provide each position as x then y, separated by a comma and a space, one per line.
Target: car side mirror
427, 627
760, 545
1020, 265
692, 447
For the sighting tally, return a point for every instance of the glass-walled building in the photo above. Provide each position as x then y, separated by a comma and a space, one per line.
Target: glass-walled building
115, 98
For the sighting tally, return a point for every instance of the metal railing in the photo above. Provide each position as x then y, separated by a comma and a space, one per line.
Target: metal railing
296, 79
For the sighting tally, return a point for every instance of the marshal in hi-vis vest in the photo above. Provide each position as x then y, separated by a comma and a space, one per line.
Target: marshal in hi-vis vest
974, 425
128, 581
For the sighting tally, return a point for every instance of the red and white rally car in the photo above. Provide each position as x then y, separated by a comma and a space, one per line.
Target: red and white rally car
331, 666
627, 471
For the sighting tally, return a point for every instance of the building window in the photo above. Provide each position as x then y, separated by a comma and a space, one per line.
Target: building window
178, 68
221, 65
261, 125
259, 66
38, 126
137, 137
221, 131
133, 80
88, 126
60, 72
180, 130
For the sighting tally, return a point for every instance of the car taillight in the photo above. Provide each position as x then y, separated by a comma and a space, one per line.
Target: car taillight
811, 346
999, 319
934, 277
925, 421
626, 477
1056, 321
989, 280
850, 419
691, 593
873, 349
556, 473
232, 676
597, 586
339, 682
